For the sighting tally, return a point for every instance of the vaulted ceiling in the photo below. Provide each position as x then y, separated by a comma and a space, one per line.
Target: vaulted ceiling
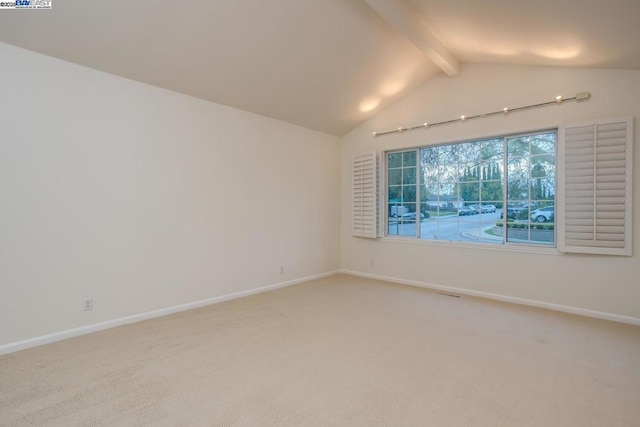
323, 64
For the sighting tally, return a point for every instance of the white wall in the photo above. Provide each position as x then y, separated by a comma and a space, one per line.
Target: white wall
598, 283
142, 198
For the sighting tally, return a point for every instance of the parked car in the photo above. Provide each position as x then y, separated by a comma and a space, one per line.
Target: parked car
488, 208
543, 214
511, 213
475, 209
466, 211
411, 217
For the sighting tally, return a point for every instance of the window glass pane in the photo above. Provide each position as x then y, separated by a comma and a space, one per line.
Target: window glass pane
468, 152
518, 189
518, 168
428, 157
448, 173
395, 194
448, 192
493, 150
430, 192
409, 176
397, 209
394, 160
406, 229
518, 232
429, 174
543, 167
401, 222
491, 171
492, 191
395, 176
469, 172
446, 154
542, 189
518, 147
543, 144
543, 214
538, 170
408, 193
409, 158
470, 192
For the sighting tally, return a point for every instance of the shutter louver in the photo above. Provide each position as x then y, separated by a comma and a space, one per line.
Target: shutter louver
597, 187
364, 196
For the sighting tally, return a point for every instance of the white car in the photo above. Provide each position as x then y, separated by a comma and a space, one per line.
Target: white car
543, 214
488, 208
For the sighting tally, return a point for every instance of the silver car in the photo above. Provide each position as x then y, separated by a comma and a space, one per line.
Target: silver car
543, 214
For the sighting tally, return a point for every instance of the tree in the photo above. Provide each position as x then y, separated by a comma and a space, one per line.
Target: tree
469, 185
492, 185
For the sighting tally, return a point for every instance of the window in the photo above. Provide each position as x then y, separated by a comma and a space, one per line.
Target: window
457, 192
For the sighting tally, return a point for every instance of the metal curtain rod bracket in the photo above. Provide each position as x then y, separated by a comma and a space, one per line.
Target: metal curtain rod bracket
582, 96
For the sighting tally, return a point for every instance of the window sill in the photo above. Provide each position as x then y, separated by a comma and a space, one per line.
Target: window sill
511, 247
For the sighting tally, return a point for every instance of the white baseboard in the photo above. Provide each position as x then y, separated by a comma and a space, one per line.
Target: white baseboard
515, 300
83, 330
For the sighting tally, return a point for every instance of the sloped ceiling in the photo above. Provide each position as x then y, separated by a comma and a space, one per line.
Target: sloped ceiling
326, 65
585, 33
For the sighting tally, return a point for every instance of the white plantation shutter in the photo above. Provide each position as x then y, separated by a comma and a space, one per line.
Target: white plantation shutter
380, 204
364, 196
596, 183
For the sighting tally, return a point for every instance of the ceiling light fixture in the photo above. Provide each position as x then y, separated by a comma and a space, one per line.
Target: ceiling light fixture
582, 96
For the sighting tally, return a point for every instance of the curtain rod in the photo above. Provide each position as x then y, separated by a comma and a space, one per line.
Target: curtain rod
582, 96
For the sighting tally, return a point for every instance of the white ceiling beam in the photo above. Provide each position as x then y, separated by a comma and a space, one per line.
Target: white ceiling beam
413, 27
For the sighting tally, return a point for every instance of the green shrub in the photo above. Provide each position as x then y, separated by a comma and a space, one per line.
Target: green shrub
534, 226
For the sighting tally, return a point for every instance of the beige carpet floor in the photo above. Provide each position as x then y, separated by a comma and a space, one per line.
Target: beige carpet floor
341, 351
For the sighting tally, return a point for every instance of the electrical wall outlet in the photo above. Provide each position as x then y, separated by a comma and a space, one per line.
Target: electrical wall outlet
88, 304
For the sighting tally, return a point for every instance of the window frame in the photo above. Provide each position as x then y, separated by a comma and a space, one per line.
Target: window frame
505, 245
